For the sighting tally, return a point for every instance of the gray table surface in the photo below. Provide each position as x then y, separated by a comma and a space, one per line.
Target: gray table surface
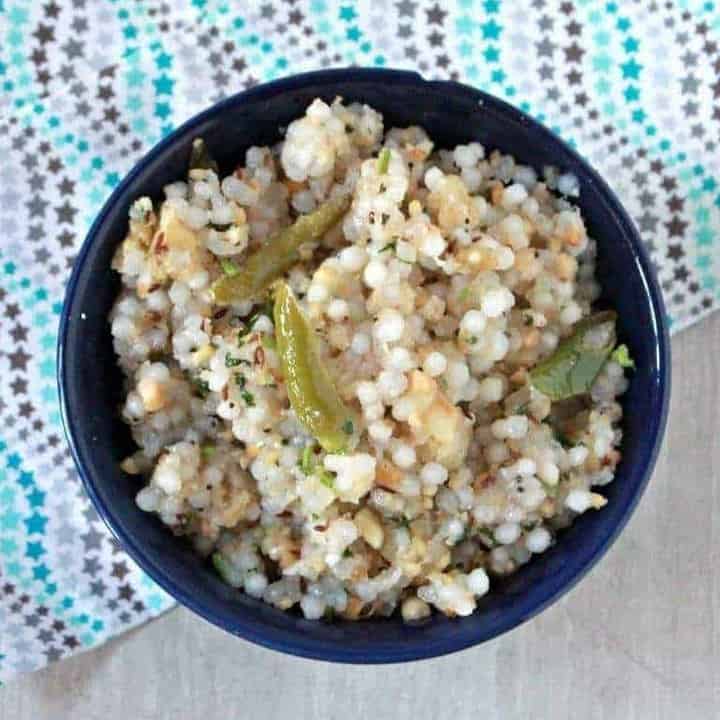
638, 639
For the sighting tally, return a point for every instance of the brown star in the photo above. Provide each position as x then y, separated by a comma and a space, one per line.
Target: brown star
676, 227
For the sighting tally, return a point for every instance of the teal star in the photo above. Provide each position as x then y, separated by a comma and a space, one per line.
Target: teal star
630, 44
466, 48
112, 179
7, 495
631, 93
491, 6
491, 54
41, 572
638, 115
36, 498
347, 12
67, 602
498, 76
135, 77
353, 33
631, 69
464, 25
705, 236
25, 479
13, 460
709, 184
491, 30
9, 520
162, 110
35, 550
163, 85
623, 24
602, 63
163, 61
41, 294
130, 32
51, 588
36, 523
10, 268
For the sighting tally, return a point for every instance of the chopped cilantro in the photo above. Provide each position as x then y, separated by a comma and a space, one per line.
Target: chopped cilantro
383, 162
326, 478
389, 246
464, 294
348, 427
347, 553
240, 380
201, 387
249, 398
229, 267
230, 361
621, 355
207, 451
307, 460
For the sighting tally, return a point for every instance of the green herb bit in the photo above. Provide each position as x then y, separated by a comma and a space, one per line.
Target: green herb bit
307, 460
348, 427
464, 294
223, 567
229, 267
207, 451
383, 162
230, 361
389, 246
201, 387
621, 355
573, 367
326, 478
248, 397
200, 158
347, 553
240, 380
268, 342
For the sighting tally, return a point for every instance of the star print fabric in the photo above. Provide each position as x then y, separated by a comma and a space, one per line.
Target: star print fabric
88, 86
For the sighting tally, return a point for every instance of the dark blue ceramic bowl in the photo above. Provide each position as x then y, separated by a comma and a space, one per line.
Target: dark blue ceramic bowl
90, 382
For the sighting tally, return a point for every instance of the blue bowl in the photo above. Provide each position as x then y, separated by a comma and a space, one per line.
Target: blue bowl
90, 382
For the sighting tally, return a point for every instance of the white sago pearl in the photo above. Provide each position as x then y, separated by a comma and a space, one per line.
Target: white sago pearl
570, 314
317, 293
167, 480
413, 608
367, 393
433, 244
548, 472
473, 322
538, 540
255, 584
491, 389
496, 302
514, 427
577, 455
403, 456
380, 431
433, 473
497, 452
374, 411
435, 364
263, 324
478, 582
374, 274
504, 257
525, 467
360, 343
401, 359
337, 309
507, 533
433, 178
458, 374
389, 326
578, 500
147, 499
312, 606
196, 217
391, 384
353, 258
513, 195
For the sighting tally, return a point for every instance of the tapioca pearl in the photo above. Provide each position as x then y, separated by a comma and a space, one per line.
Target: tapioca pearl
478, 582
367, 393
337, 309
403, 456
538, 540
352, 259
317, 293
507, 533
391, 384
389, 326
473, 322
578, 500
433, 473
375, 274
360, 343
435, 364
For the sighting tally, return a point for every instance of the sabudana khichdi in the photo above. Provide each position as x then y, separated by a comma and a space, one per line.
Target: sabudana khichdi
364, 373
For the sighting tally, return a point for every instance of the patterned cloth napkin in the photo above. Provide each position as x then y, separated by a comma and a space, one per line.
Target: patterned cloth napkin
89, 85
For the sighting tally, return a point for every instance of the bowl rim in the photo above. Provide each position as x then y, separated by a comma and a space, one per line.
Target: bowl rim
304, 645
